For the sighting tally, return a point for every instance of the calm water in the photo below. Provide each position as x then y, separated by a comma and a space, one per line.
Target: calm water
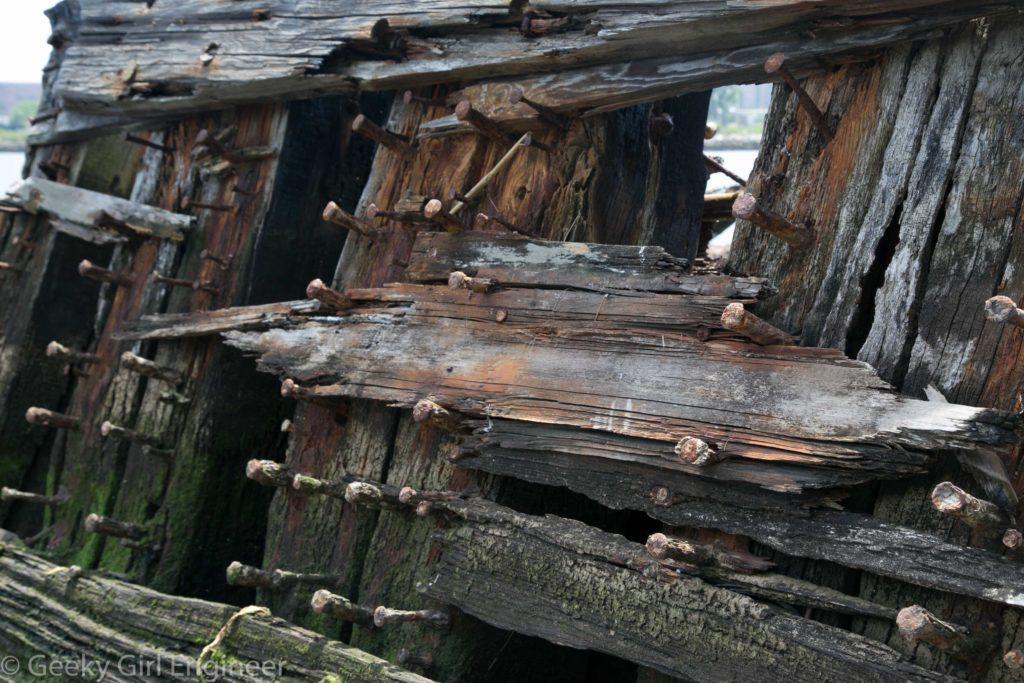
10, 168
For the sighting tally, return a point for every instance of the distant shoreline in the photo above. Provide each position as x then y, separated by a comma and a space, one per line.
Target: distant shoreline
12, 145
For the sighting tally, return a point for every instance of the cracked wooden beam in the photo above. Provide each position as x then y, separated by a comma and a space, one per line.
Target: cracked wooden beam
66, 612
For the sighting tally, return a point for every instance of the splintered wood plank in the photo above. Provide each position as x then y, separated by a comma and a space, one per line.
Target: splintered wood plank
84, 208
62, 612
178, 58
516, 260
206, 323
647, 385
564, 581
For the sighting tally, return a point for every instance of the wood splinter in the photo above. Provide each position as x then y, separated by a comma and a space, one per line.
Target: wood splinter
975, 512
662, 547
736, 318
93, 272
797, 236
337, 215
1002, 309
479, 285
393, 141
247, 576
147, 368
57, 350
8, 494
694, 451
269, 473
383, 616
340, 607
328, 298
775, 65
916, 624
108, 429
42, 417
108, 526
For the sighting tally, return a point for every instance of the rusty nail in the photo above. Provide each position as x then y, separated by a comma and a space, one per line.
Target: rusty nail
487, 126
338, 606
239, 574
187, 204
363, 493
482, 219
337, 215
44, 116
974, 512
393, 141
148, 368
88, 270
480, 285
8, 494
269, 473
918, 624
171, 396
501, 315
47, 418
287, 426
775, 64
546, 113
382, 616
409, 98
716, 167
1002, 309
693, 451
107, 526
1014, 659
207, 255
245, 193
329, 298
736, 318
198, 285
128, 137
710, 130
797, 236
108, 429
1013, 539
529, 141
661, 125
10, 267
207, 139
454, 195
428, 411
435, 212
57, 350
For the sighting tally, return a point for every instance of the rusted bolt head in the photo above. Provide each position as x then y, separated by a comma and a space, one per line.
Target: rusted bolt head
744, 207
774, 62
91, 522
661, 495
501, 315
457, 279
85, 266
331, 211
315, 287
432, 208
463, 110
1012, 539
1000, 309
372, 210
406, 495
106, 428
289, 388
657, 544
516, 96
1014, 659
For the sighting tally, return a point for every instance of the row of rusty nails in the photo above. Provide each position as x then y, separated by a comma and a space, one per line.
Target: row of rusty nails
88, 269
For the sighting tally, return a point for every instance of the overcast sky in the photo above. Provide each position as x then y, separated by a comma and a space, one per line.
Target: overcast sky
23, 33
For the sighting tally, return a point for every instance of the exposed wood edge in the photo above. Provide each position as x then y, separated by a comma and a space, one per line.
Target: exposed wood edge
108, 619
572, 584
850, 539
207, 323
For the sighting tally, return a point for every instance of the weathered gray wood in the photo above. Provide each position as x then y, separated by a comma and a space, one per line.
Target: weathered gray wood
186, 57
64, 612
566, 582
206, 323
83, 208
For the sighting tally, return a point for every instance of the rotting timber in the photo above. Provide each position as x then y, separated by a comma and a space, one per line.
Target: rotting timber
488, 342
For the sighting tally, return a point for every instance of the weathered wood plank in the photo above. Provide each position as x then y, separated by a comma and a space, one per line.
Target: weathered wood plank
206, 323
564, 581
89, 209
136, 633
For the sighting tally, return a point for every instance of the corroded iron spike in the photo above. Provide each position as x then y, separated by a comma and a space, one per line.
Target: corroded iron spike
335, 214
187, 204
8, 494
710, 130
1013, 539
485, 125
4, 265
693, 451
662, 547
148, 368
171, 396
435, 212
409, 98
385, 138
407, 495
328, 298
480, 285
87, 269
47, 418
1014, 659
747, 208
976, 513
107, 526
427, 411
364, 493
239, 574
135, 139
1002, 309
546, 113
713, 166
108, 428
775, 65
292, 389
916, 624
319, 487
269, 473
383, 616
737, 319
207, 139
340, 607
207, 255
44, 116
287, 426
57, 350
661, 125
530, 141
